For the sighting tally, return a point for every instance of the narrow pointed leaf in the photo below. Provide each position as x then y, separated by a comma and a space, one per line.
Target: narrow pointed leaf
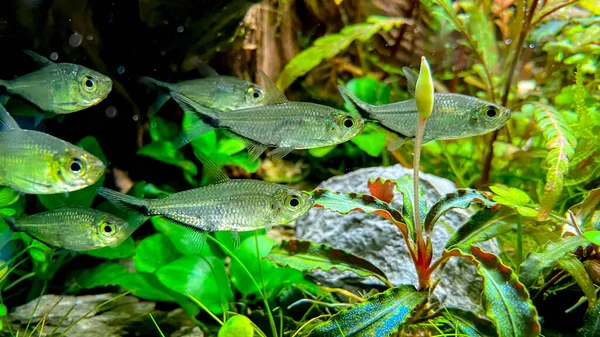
346, 203
481, 226
591, 322
470, 324
405, 186
382, 190
380, 315
536, 263
571, 264
505, 299
307, 256
461, 198
561, 146
585, 210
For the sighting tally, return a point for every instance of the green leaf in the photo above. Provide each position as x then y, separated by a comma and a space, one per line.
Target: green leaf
8, 196
346, 203
166, 152
561, 145
591, 322
461, 198
405, 186
154, 252
505, 299
380, 315
237, 326
204, 278
510, 196
143, 285
326, 47
124, 250
181, 239
536, 263
307, 256
320, 152
102, 275
593, 237
571, 264
40, 252
84, 197
372, 143
470, 324
162, 129
481, 226
369, 90
584, 211
3, 311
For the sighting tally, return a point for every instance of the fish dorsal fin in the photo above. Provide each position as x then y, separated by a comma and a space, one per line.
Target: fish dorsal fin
274, 95
411, 79
6, 121
38, 59
214, 174
206, 70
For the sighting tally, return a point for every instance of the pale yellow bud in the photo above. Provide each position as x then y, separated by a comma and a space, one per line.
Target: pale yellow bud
424, 90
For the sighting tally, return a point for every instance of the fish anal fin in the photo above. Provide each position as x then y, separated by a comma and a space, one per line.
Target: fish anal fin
274, 95
194, 237
161, 99
280, 152
6, 121
195, 129
39, 60
411, 79
235, 240
255, 149
214, 174
396, 143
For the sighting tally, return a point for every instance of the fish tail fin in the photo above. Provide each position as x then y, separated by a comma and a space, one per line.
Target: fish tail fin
12, 224
364, 108
125, 202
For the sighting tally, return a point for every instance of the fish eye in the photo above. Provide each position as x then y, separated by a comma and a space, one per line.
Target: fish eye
348, 123
255, 93
491, 112
89, 84
76, 166
293, 202
108, 229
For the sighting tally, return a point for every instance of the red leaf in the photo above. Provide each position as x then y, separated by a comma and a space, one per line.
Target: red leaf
382, 190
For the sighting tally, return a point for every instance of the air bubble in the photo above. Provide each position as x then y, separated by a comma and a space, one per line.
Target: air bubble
111, 112
54, 56
75, 40
135, 118
90, 37
180, 29
163, 53
121, 70
507, 41
532, 45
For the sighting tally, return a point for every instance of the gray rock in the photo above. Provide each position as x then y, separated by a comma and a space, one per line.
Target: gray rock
379, 241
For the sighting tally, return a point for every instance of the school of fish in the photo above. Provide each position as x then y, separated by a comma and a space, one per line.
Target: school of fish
33, 162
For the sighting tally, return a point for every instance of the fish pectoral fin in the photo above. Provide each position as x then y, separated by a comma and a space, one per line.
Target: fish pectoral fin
6, 121
47, 186
196, 129
411, 79
214, 174
255, 149
280, 152
206, 70
274, 95
38, 59
235, 240
396, 143
158, 103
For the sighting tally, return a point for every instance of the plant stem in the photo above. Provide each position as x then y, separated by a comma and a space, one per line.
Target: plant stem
421, 266
262, 294
156, 325
264, 289
201, 305
519, 241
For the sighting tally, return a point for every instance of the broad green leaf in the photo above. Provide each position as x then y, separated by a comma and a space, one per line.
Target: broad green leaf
536, 263
369, 90
154, 252
405, 186
40, 252
124, 250
275, 277
372, 143
84, 197
307, 256
593, 237
561, 145
8, 196
181, 239
102, 275
346, 203
237, 326
481, 226
167, 153
461, 198
510, 196
470, 324
162, 129
326, 47
505, 299
380, 315
591, 322
320, 152
571, 264
204, 278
